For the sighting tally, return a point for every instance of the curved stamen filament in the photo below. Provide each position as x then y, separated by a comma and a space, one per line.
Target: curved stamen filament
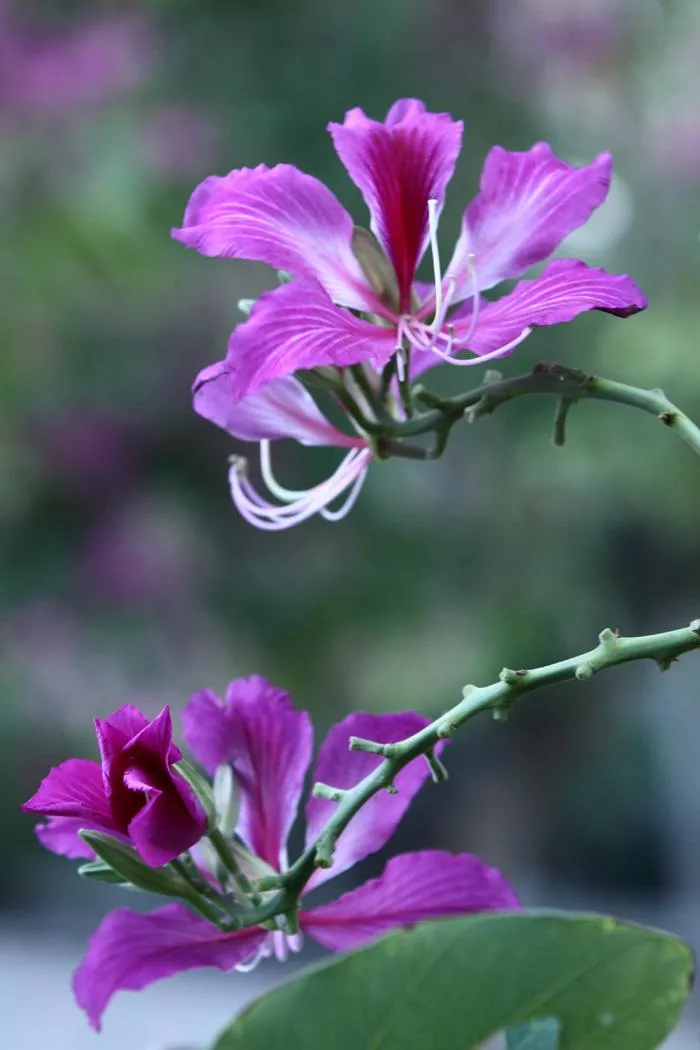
481, 358
437, 272
265, 515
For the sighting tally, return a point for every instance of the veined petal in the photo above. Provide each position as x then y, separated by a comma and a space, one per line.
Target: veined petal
298, 326
131, 951
282, 217
268, 742
414, 887
527, 204
399, 165
73, 789
336, 765
564, 289
283, 408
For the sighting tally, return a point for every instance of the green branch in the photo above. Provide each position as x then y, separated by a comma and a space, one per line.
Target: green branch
498, 698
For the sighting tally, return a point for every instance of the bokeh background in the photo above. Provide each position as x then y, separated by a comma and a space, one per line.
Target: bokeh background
127, 575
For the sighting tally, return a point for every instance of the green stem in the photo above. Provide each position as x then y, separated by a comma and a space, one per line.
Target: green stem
566, 383
228, 860
498, 697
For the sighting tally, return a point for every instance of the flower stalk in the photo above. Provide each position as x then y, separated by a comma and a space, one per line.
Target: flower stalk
499, 696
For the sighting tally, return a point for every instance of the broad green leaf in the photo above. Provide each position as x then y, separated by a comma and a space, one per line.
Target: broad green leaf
455, 983
536, 1035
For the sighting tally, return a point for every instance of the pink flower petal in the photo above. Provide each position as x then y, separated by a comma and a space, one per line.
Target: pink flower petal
131, 951
281, 409
268, 742
297, 326
336, 765
564, 289
399, 165
528, 203
73, 789
414, 887
282, 217
60, 835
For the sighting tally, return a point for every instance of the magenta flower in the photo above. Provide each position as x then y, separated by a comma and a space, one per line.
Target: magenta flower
268, 743
336, 314
134, 795
283, 408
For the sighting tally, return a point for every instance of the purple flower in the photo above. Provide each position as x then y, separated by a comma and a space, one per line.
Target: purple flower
268, 743
134, 794
281, 409
527, 204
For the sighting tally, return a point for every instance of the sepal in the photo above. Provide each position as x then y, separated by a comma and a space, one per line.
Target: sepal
128, 866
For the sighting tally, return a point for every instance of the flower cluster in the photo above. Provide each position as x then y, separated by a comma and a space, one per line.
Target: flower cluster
139, 797
355, 304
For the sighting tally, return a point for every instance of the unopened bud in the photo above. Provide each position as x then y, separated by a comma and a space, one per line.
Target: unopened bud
227, 799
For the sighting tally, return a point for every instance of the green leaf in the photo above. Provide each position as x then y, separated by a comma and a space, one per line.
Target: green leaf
536, 1035
129, 867
455, 983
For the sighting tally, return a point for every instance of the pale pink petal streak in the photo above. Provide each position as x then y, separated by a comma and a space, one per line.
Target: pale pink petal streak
527, 204
282, 217
131, 951
339, 767
414, 887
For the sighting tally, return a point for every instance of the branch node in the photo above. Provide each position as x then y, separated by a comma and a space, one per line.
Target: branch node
357, 743
391, 789
445, 730
501, 713
325, 848
694, 626
608, 638
509, 677
584, 671
665, 662
321, 790
668, 418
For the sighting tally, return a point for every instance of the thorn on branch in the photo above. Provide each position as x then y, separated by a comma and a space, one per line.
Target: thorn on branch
438, 770
694, 626
325, 848
321, 790
665, 662
608, 638
357, 743
559, 427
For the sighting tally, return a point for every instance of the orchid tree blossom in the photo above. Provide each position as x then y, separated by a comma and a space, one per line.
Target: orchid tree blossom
267, 743
283, 408
133, 794
355, 298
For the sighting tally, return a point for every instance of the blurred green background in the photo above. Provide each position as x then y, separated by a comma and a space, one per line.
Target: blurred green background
126, 573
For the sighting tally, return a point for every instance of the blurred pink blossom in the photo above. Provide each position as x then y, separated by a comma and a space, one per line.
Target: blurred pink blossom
84, 66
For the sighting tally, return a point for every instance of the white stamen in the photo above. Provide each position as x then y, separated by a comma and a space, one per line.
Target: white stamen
246, 967
432, 228
400, 365
265, 515
287, 495
476, 298
341, 512
481, 358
